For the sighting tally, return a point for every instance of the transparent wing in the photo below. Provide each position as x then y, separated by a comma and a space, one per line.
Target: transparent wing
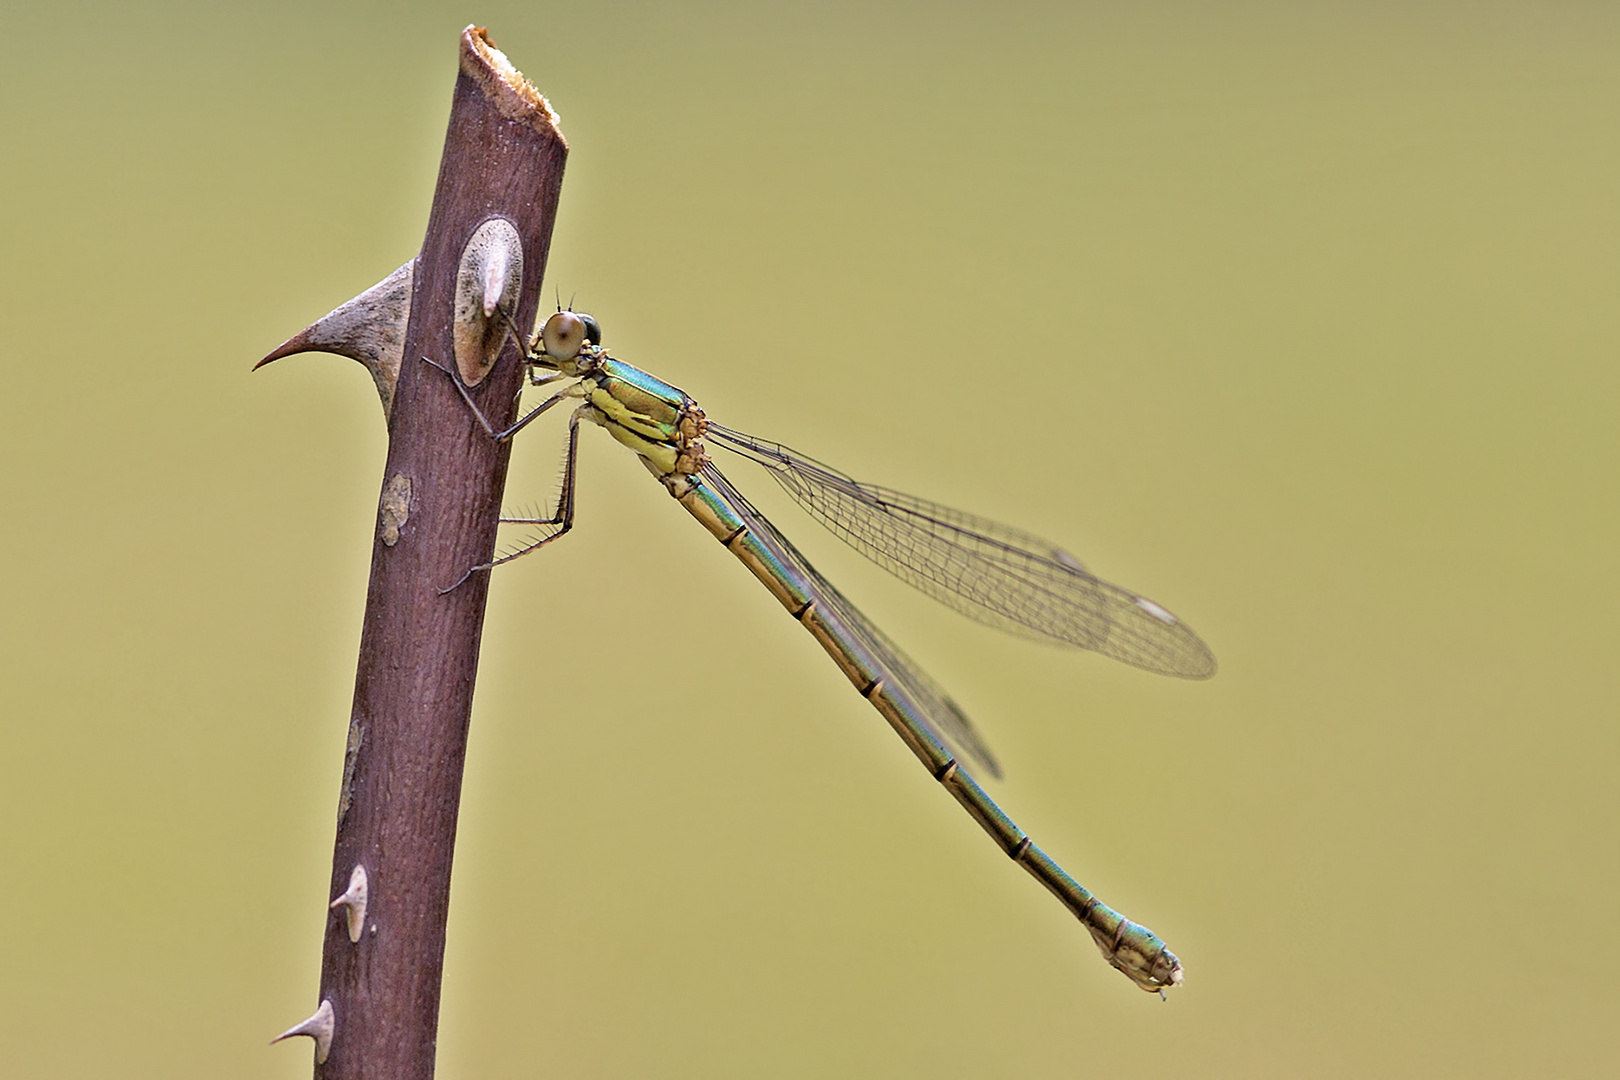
945, 718
990, 572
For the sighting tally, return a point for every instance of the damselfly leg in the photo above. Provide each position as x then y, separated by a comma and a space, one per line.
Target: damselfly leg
563, 518
500, 436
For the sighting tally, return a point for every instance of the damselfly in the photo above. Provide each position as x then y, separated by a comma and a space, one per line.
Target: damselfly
998, 575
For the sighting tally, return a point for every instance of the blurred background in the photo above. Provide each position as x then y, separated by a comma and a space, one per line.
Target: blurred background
1299, 321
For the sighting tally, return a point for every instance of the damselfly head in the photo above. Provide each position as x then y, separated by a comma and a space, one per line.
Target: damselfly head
566, 333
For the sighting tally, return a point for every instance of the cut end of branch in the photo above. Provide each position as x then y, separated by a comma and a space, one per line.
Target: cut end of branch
514, 96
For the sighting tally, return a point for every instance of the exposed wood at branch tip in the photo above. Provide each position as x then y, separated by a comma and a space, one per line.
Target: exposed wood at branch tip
512, 93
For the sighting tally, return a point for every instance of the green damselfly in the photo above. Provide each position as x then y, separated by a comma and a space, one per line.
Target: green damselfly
998, 575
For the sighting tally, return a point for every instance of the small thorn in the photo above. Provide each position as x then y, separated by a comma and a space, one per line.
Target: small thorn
496, 279
353, 902
318, 1027
490, 276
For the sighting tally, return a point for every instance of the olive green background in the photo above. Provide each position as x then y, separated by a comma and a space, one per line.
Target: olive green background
1298, 319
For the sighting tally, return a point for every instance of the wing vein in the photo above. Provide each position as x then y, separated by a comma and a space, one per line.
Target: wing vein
992, 573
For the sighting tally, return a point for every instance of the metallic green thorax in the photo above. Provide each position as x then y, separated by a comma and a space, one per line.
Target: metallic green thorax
651, 417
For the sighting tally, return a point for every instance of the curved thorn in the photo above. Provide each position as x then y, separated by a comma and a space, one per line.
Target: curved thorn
370, 328
318, 1027
353, 901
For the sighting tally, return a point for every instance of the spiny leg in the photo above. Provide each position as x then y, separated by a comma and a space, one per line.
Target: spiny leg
563, 518
499, 436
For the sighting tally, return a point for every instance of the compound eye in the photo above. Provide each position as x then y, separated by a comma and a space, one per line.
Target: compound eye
593, 329
565, 334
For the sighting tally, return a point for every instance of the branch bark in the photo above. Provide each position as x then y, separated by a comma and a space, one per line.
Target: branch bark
503, 159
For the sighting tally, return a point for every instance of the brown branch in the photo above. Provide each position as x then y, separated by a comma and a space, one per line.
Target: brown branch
503, 159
